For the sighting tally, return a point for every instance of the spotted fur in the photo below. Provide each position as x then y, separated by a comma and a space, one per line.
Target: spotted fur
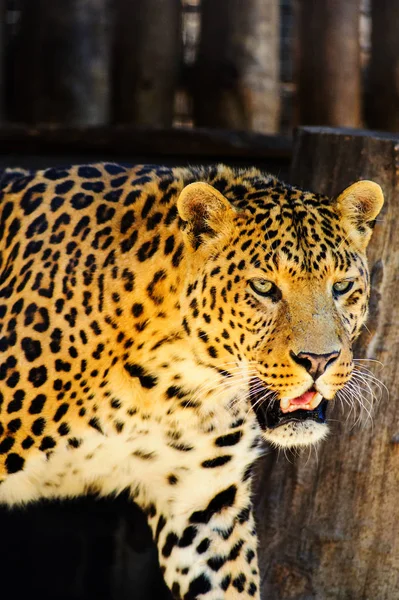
130, 337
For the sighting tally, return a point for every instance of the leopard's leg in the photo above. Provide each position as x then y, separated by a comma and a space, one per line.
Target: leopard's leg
209, 553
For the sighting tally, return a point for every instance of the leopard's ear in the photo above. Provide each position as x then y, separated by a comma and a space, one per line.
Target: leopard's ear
205, 211
359, 205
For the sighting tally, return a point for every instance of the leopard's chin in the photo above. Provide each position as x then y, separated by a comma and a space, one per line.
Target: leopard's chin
296, 433
289, 426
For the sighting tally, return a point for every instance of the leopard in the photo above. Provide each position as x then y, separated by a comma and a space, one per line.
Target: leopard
159, 327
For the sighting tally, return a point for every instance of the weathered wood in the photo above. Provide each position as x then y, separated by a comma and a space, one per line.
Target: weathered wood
236, 80
63, 62
328, 72
329, 520
382, 99
146, 61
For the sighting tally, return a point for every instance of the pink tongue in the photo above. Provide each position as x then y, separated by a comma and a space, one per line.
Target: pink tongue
304, 399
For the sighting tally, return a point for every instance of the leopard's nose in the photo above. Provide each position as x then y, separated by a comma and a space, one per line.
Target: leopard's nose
315, 364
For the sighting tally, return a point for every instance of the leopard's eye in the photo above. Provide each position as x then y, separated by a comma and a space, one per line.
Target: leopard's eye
342, 287
263, 287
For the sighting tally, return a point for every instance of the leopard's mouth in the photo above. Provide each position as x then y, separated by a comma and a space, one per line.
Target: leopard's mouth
310, 406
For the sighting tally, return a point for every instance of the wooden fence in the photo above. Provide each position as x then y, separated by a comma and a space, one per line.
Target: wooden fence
101, 62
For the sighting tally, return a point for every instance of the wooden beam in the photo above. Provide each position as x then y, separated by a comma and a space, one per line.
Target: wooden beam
328, 72
236, 82
63, 62
123, 140
328, 519
382, 99
146, 61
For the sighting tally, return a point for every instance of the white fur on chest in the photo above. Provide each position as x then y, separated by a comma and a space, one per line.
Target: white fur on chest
144, 458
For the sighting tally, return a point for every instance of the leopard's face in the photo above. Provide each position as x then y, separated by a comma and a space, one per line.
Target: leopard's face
276, 292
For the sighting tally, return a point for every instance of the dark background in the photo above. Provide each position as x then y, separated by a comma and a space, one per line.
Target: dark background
82, 549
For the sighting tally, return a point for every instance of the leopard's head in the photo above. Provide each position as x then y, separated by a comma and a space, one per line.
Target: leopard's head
276, 292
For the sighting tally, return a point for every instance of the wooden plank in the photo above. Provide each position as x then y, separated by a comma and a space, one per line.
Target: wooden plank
2, 60
382, 99
236, 83
328, 519
147, 61
328, 72
63, 62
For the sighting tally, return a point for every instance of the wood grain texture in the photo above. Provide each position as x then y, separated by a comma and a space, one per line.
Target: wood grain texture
329, 520
146, 65
328, 62
63, 62
382, 99
236, 83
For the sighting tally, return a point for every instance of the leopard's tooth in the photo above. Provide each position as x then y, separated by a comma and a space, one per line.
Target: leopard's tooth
317, 398
285, 403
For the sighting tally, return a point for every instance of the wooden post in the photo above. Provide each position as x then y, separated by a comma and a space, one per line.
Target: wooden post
146, 61
63, 62
329, 63
236, 82
2, 60
329, 519
382, 99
